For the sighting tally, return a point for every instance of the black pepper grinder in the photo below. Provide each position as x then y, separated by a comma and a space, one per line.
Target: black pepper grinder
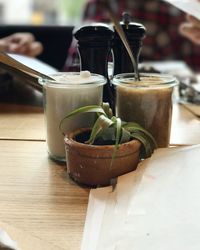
135, 32
94, 47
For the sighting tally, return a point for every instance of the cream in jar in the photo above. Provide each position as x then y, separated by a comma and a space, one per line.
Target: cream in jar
69, 91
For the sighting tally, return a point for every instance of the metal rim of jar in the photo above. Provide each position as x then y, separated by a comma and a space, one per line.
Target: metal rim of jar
128, 80
99, 82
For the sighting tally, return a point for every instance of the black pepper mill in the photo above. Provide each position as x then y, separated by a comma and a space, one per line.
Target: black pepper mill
94, 47
135, 32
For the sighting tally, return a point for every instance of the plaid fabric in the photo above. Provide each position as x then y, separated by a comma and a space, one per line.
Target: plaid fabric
163, 42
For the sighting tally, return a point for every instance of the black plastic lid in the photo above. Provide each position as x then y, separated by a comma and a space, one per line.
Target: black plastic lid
131, 28
94, 31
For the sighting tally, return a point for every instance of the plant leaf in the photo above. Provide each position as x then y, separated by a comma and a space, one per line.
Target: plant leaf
111, 129
148, 148
105, 122
133, 127
92, 109
101, 123
126, 136
108, 135
118, 125
107, 109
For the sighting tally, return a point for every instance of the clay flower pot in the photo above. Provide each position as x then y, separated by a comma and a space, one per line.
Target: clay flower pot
91, 165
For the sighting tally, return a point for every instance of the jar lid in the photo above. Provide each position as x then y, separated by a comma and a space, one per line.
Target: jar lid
94, 31
73, 79
132, 29
147, 80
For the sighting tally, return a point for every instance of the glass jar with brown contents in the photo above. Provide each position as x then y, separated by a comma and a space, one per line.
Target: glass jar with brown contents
147, 102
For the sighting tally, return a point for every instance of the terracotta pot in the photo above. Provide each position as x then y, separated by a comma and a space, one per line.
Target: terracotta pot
91, 165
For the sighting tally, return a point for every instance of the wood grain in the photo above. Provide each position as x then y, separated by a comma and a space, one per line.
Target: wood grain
22, 122
37, 196
37, 199
185, 127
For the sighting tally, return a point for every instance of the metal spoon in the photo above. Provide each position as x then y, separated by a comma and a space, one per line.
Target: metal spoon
14, 66
123, 37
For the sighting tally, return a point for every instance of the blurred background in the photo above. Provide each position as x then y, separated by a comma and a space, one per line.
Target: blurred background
40, 12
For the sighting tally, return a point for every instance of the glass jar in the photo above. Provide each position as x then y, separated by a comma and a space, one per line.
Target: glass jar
68, 92
147, 102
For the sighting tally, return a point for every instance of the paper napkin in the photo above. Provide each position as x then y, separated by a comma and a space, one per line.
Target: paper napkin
6, 242
155, 207
191, 7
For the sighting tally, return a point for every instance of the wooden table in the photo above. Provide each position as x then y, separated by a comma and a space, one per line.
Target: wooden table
40, 207
185, 128
20, 122
38, 198
38, 202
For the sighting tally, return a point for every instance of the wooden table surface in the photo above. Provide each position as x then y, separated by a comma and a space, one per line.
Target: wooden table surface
38, 198
185, 128
40, 207
21, 122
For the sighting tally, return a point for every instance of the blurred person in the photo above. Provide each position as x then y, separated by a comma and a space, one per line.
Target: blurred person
191, 29
21, 43
163, 41
13, 89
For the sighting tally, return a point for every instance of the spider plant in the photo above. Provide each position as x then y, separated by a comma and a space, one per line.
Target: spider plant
109, 129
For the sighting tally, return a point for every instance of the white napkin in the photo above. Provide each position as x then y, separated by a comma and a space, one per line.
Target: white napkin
34, 63
191, 7
155, 207
6, 242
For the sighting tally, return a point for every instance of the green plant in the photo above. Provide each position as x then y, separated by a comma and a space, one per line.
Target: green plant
109, 129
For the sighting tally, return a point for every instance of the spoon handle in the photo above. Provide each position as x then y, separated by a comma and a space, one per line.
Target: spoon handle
123, 38
12, 63
30, 79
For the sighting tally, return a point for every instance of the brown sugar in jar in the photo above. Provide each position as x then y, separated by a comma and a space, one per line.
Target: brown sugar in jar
147, 102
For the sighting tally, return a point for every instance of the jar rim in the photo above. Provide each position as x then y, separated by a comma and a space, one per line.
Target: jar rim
155, 80
97, 80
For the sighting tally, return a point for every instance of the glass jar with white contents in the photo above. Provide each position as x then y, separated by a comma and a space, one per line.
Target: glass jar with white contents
69, 91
